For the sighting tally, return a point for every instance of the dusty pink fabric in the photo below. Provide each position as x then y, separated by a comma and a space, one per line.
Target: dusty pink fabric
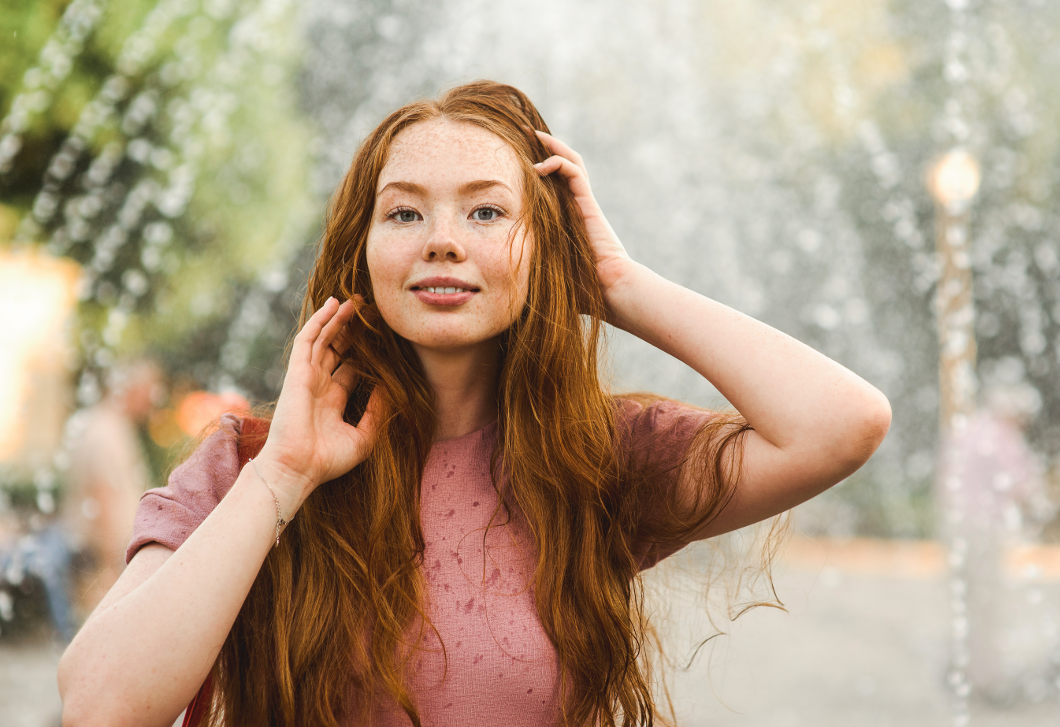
502, 667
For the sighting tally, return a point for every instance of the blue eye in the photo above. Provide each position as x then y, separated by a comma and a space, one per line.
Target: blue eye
485, 214
405, 215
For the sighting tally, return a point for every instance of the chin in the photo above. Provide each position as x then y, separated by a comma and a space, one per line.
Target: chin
452, 341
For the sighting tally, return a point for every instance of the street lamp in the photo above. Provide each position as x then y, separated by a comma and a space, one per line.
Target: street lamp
953, 182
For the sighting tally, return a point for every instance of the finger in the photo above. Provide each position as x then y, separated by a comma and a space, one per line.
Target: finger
303, 342
558, 147
369, 423
362, 316
344, 339
345, 376
575, 175
323, 353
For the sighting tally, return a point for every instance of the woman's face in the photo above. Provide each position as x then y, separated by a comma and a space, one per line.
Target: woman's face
449, 266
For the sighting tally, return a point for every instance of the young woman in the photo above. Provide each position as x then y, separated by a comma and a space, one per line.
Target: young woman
469, 507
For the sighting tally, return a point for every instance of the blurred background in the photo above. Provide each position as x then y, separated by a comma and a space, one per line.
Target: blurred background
875, 177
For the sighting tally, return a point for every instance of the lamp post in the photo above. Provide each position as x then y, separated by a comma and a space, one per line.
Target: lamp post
953, 182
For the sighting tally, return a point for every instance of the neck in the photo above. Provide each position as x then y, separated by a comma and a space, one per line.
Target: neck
465, 387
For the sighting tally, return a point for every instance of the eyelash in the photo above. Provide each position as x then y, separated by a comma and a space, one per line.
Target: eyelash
398, 210
493, 207
392, 215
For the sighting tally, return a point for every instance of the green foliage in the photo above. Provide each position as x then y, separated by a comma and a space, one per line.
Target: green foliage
225, 115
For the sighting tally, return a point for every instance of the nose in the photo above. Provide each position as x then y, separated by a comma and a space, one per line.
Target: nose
443, 242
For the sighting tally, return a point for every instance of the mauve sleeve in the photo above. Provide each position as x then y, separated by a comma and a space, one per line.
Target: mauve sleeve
168, 515
657, 438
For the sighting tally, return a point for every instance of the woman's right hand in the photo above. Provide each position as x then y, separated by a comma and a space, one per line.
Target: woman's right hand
144, 652
309, 443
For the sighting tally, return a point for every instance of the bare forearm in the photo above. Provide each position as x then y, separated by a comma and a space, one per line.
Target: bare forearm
141, 659
814, 422
793, 396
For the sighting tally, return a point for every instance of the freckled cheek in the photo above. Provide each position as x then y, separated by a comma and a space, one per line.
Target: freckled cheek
387, 277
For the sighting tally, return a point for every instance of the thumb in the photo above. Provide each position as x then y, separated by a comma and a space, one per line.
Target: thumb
374, 412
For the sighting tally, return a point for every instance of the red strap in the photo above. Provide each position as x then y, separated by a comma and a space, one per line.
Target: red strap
251, 440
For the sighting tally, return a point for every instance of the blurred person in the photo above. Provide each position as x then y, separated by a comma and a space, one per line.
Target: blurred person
108, 474
444, 520
992, 490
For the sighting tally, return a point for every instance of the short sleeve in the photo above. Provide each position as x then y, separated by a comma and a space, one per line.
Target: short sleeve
169, 515
657, 438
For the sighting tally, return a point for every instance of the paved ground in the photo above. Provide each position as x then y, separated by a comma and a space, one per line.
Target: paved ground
863, 645
28, 695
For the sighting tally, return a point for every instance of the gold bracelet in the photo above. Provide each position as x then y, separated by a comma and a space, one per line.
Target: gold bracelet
280, 522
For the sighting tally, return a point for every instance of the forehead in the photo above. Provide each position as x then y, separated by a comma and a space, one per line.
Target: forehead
443, 152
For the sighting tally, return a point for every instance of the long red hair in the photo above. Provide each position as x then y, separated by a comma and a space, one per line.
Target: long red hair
345, 587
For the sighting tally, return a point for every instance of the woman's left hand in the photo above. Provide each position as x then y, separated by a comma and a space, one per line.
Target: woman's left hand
612, 260
812, 421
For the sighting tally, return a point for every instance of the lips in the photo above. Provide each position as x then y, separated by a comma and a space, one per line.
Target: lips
444, 291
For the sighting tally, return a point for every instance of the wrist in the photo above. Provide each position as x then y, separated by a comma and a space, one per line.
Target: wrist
627, 283
289, 487
614, 270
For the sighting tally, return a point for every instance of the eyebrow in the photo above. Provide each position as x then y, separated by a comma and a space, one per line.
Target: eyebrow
478, 185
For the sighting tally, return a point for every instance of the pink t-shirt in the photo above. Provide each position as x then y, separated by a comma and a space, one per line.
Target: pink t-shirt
502, 667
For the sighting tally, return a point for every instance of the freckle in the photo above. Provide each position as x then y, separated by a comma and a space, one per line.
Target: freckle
459, 561
159, 507
446, 587
437, 564
474, 504
434, 487
450, 513
459, 644
478, 658
529, 691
